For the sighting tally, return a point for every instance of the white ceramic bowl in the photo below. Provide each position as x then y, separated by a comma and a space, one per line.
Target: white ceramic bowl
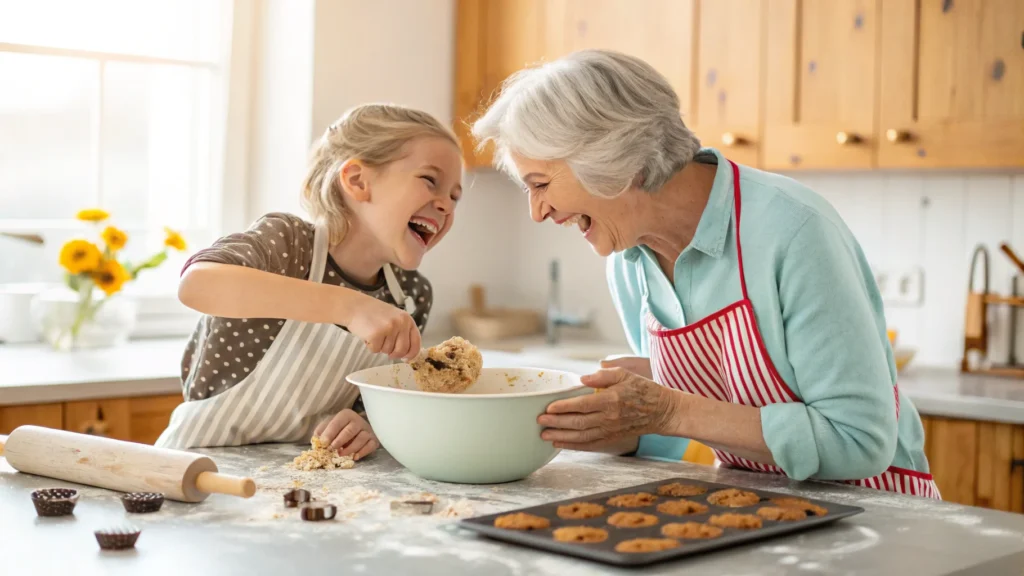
485, 435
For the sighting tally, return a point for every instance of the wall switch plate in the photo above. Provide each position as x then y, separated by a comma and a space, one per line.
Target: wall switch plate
901, 287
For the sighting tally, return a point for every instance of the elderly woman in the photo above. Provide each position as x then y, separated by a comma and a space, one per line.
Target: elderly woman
758, 326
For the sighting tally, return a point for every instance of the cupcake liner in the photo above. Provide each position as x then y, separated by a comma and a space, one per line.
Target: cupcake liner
55, 501
142, 502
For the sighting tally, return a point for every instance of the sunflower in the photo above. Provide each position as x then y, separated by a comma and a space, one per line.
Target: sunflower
174, 240
93, 215
114, 238
79, 256
110, 276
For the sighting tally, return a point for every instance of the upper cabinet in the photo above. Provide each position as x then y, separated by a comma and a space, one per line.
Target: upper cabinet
820, 84
787, 84
952, 83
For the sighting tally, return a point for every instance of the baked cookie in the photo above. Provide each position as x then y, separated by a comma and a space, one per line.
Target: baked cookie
681, 508
801, 504
733, 498
678, 490
781, 513
581, 534
691, 531
521, 521
632, 520
638, 500
646, 545
741, 521
579, 510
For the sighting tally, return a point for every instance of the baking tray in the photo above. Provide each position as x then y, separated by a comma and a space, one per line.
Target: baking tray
605, 551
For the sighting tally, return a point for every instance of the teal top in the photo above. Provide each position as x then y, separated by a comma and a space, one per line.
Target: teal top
819, 313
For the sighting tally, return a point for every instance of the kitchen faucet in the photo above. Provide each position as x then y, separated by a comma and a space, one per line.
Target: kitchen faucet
556, 317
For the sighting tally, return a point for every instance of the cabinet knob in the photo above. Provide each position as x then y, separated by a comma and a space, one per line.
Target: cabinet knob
731, 139
893, 135
846, 138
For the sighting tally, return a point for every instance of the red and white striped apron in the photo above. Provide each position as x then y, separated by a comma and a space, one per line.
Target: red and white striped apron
723, 357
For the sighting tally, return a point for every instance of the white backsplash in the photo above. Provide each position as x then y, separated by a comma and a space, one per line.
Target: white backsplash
902, 220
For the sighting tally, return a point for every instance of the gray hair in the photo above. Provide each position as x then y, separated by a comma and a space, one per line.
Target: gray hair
613, 118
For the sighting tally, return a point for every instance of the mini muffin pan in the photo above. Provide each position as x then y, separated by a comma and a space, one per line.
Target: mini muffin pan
605, 551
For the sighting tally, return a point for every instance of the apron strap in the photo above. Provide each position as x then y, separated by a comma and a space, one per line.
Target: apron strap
320, 239
736, 207
396, 290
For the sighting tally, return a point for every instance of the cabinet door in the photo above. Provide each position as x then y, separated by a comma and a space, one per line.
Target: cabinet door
493, 39
952, 83
150, 415
48, 415
820, 84
661, 32
726, 112
109, 418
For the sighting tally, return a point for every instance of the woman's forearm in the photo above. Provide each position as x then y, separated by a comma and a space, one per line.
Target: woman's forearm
240, 292
733, 428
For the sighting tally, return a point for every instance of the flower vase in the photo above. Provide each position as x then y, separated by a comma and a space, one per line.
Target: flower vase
86, 319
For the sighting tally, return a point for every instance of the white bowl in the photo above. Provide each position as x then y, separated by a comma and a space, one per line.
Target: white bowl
485, 435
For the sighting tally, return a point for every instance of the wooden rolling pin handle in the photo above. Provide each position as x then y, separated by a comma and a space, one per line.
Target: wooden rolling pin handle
217, 483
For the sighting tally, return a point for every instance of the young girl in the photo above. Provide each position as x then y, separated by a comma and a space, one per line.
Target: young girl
292, 307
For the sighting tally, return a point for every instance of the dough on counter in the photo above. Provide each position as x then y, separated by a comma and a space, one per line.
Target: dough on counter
681, 508
632, 520
450, 367
580, 510
321, 457
733, 498
638, 500
681, 490
646, 545
781, 513
521, 521
801, 504
581, 534
741, 521
691, 531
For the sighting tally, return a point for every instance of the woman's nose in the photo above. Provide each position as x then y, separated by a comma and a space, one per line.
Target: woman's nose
539, 210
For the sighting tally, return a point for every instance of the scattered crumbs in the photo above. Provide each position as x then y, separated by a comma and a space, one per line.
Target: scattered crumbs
460, 509
358, 494
419, 497
277, 516
296, 483
263, 468
540, 374
321, 457
510, 379
326, 489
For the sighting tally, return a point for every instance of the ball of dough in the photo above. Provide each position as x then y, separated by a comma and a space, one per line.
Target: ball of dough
450, 367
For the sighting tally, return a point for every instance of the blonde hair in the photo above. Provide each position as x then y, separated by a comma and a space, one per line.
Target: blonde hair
375, 135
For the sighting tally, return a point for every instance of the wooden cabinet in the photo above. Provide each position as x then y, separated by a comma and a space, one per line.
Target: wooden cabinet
820, 84
140, 419
977, 463
951, 84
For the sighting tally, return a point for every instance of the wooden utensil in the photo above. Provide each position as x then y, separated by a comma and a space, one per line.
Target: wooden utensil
1012, 256
30, 238
478, 323
118, 465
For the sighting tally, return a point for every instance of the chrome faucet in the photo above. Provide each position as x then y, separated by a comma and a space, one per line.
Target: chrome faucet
555, 316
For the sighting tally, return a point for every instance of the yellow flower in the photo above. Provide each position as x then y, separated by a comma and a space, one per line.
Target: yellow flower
174, 240
79, 256
93, 215
110, 276
115, 239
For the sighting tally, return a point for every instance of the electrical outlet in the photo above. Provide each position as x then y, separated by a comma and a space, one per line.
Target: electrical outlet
902, 287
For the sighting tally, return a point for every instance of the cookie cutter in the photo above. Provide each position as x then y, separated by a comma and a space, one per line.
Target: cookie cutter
316, 511
294, 498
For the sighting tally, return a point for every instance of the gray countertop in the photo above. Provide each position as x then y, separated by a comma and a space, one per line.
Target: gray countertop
225, 535
36, 374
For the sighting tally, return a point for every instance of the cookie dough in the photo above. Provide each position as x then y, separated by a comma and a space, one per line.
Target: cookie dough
801, 504
742, 521
579, 510
521, 521
581, 534
678, 490
681, 508
450, 367
733, 498
321, 457
781, 513
646, 545
638, 500
632, 520
691, 531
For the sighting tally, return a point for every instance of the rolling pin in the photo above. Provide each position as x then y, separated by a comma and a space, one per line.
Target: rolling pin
118, 465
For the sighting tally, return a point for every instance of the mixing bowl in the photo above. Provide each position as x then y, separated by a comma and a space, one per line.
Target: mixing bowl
485, 435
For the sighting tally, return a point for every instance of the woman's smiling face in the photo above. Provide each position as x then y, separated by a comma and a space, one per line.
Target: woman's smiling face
556, 193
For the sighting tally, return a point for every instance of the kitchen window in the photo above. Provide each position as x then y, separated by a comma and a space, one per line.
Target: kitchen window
120, 104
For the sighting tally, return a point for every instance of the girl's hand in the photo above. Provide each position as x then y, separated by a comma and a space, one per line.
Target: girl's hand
349, 434
624, 405
384, 328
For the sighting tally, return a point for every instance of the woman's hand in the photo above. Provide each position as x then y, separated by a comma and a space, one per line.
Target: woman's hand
384, 328
349, 434
636, 364
623, 405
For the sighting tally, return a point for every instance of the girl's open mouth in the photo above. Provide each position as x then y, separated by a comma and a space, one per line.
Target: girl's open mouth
423, 229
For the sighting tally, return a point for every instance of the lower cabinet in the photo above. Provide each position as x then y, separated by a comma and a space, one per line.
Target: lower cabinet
140, 419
